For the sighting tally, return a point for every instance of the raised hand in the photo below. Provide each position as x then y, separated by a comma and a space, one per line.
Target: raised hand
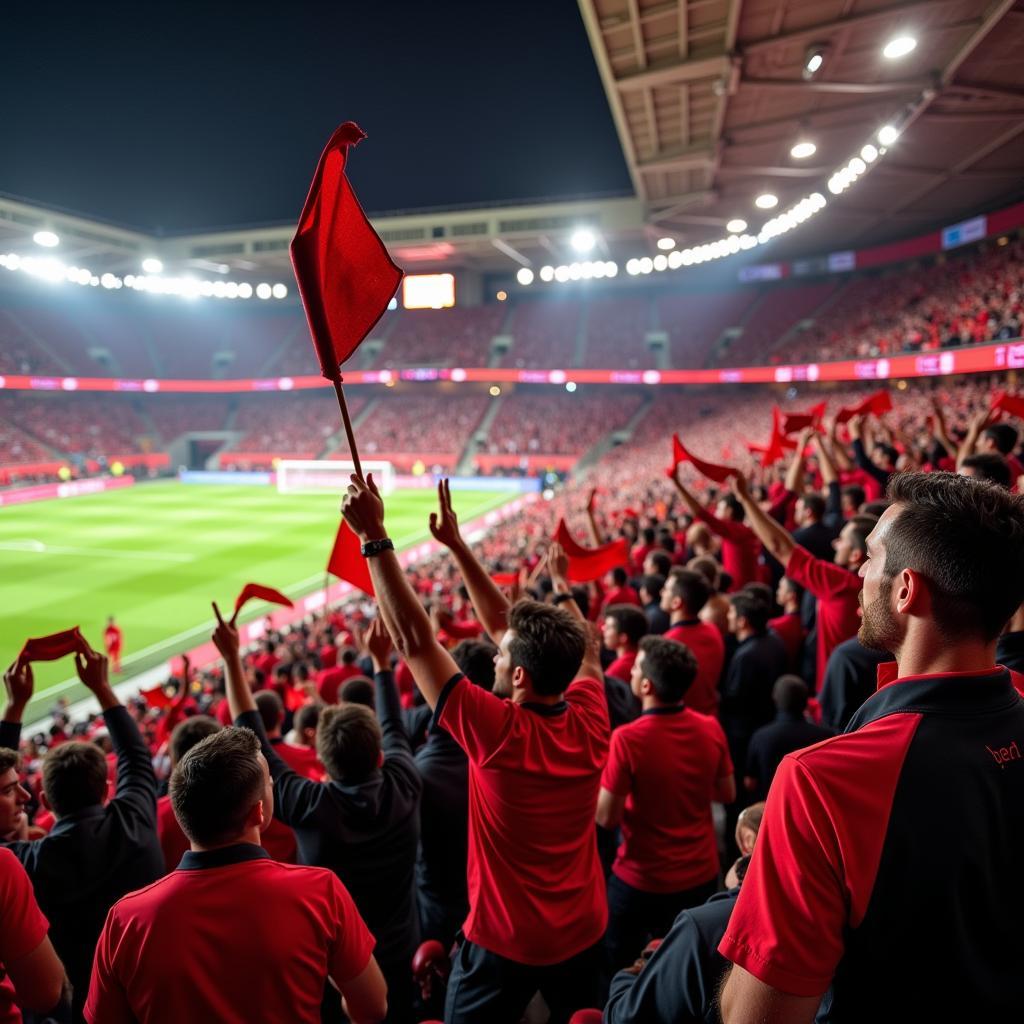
379, 645
19, 684
558, 562
740, 486
363, 508
92, 669
225, 636
444, 525
186, 675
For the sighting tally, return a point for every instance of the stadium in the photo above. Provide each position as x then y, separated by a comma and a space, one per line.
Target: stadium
712, 380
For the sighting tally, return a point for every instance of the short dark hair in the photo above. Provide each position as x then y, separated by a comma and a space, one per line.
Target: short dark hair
629, 620
790, 693
475, 659
548, 644
653, 584
873, 509
1003, 436
691, 587
966, 538
215, 786
74, 777
349, 656
358, 690
814, 503
190, 732
271, 709
989, 466
8, 759
661, 561
761, 591
798, 591
620, 576
670, 666
708, 568
751, 608
307, 717
579, 595
733, 504
862, 525
855, 494
348, 742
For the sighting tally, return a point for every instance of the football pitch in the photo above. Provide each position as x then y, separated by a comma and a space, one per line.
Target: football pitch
155, 555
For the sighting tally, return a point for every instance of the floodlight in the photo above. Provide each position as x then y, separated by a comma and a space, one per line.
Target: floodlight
263, 291
813, 59
583, 240
766, 201
47, 239
547, 273
898, 47
666, 243
869, 153
279, 291
736, 225
802, 150
888, 134
151, 265
524, 276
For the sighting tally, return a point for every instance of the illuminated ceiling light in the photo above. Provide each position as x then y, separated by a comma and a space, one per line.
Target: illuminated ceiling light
664, 244
494, 391
263, 291
547, 273
279, 291
766, 201
151, 265
583, 240
501, 295
661, 262
646, 265
570, 386
47, 239
736, 226
611, 268
244, 289
813, 59
802, 150
888, 134
869, 153
898, 47
524, 276
561, 273
633, 267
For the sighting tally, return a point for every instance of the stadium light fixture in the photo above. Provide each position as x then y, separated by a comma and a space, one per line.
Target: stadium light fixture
814, 58
570, 386
47, 239
888, 134
524, 275
766, 201
279, 291
736, 226
263, 291
494, 391
664, 244
803, 150
151, 265
583, 240
899, 46
547, 274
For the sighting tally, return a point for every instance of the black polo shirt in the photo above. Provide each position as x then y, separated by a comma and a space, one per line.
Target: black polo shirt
771, 743
1010, 651
850, 678
888, 861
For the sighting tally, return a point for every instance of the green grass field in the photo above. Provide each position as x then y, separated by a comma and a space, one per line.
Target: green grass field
155, 555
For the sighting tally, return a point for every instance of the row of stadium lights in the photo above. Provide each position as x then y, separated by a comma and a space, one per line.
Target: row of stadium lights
49, 268
737, 241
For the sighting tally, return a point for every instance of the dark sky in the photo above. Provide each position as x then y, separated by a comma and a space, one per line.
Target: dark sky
181, 116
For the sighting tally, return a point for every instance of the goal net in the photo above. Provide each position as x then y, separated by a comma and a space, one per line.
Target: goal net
315, 476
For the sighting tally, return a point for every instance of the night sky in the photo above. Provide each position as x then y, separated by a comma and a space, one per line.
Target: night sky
184, 116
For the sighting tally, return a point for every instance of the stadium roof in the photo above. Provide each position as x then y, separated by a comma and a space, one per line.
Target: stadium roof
708, 97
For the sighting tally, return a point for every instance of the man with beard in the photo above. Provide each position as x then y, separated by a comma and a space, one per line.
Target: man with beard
888, 860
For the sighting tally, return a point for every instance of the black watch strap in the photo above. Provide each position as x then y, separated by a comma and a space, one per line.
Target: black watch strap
375, 547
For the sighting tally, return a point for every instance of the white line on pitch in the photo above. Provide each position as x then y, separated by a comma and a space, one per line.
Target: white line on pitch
37, 547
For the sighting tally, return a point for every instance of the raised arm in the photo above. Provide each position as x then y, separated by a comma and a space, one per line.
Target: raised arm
558, 568
977, 424
386, 700
405, 618
778, 541
596, 534
689, 499
795, 472
939, 430
20, 685
826, 463
839, 453
490, 603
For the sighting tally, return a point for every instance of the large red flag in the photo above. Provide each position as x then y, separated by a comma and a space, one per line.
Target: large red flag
347, 562
1011, 404
709, 469
586, 564
346, 277
52, 647
878, 403
255, 590
156, 697
794, 422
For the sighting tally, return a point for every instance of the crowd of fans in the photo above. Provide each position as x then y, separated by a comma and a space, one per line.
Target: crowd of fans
622, 789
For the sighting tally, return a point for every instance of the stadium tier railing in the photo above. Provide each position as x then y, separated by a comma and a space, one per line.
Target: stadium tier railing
1003, 355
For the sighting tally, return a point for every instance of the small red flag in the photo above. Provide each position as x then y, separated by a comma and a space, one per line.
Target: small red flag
878, 403
346, 277
713, 472
794, 422
505, 579
255, 590
54, 646
586, 564
1013, 405
156, 698
347, 562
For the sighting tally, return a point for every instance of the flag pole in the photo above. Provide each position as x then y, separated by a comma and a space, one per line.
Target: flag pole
347, 420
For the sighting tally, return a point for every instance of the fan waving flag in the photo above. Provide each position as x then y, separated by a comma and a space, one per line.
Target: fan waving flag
586, 564
793, 422
878, 403
1013, 405
255, 590
347, 562
345, 276
709, 469
54, 646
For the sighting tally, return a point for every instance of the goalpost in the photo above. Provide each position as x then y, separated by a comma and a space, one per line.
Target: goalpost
317, 476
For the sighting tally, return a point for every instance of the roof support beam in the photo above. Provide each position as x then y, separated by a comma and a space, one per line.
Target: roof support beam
685, 159
851, 88
676, 72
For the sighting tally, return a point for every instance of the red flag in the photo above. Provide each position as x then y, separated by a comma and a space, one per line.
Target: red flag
713, 472
505, 579
156, 698
794, 422
777, 443
1013, 405
346, 277
52, 647
255, 590
347, 562
586, 564
878, 403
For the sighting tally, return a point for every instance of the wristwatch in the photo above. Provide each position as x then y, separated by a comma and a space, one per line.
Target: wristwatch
375, 547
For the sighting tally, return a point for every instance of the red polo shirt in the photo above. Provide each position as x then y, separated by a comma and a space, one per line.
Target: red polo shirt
536, 889
22, 927
838, 592
667, 764
740, 548
232, 936
622, 666
620, 595
328, 682
708, 646
302, 760
790, 631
